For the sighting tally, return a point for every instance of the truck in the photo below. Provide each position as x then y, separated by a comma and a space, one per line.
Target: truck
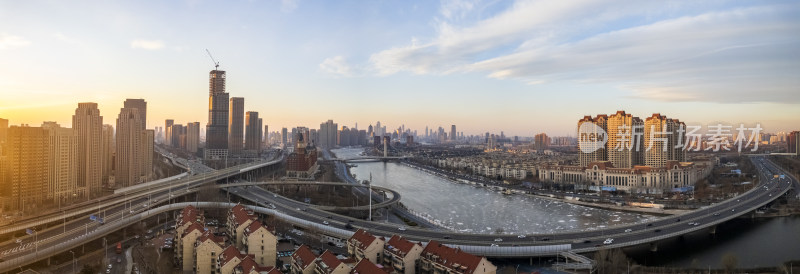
119, 248
783, 176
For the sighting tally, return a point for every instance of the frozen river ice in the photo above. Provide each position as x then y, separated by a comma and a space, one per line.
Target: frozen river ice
479, 210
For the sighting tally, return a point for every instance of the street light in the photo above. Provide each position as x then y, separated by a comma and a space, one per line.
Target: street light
73, 261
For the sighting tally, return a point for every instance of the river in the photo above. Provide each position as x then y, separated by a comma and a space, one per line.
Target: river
755, 242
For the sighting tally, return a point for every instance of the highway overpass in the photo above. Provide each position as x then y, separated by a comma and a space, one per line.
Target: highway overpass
481, 244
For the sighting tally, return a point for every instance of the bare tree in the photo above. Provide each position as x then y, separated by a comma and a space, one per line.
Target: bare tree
729, 261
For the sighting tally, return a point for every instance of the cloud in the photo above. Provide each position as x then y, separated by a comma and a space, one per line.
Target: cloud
12, 42
672, 53
147, 44
336, 65
288, 5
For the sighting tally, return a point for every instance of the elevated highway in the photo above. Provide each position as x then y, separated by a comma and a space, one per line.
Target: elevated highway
306, 216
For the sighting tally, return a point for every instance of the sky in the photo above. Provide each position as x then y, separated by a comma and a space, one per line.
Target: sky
522, 67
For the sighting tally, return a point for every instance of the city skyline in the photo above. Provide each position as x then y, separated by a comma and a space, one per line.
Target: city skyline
416, 64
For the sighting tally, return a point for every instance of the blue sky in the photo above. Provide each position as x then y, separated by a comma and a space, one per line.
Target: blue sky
522, 67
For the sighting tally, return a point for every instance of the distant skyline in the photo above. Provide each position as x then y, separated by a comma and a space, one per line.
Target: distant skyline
522, 67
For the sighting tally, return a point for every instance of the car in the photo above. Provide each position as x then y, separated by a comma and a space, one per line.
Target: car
119, 259
446, 237
716, 214
628, 230
521, 236
401, 228
348, 226
298, 209
110, 266
544, 239
733, 209
498, 240
19, 241
608, 241
650, 224
587, 241
325, 222
494, 245
108, 271
678, 220
339, 245
136, 237
329, 217
657, 230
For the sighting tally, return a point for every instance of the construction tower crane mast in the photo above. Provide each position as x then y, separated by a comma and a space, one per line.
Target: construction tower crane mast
216, 64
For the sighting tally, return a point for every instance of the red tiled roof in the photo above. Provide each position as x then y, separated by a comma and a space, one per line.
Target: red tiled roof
208, 235
254, 226
363, 237
228, 254
449, 257
304, 256
188, 214
329, 259
248, 264
241, 215
366, 267
194, 226
400, 243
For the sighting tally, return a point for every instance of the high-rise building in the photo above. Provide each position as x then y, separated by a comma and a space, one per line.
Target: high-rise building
541, 142
134, 149
453, 134
3, 130
192, 137
27, 167
141, 105
62, 171
624, 145
168, 128
88, 126
266, 136
284, 132
178, 136
601, 121
660, 138
252, 132
236, 125
328, 134
793, 142
108, 152
217, 127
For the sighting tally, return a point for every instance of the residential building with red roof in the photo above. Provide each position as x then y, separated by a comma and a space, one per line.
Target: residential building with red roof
184, 249
229, 259
303, 261
401, 255
327, 263
239, 217
206, 249
250, 266
439, 258
367, 267
259, 240
364, 245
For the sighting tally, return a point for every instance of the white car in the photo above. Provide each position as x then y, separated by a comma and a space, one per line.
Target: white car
521, 236
401, 228
325, 222
608, 241
498, 240
628, 230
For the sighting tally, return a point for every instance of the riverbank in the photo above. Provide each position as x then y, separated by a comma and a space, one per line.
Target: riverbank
486, 184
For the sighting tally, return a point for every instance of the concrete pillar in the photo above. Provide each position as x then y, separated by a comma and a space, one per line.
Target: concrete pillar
653, 247
713, 230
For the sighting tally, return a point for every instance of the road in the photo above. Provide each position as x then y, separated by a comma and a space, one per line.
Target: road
580, 241
112, 209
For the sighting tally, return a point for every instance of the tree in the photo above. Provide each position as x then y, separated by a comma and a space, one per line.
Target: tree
729, 261
611, 261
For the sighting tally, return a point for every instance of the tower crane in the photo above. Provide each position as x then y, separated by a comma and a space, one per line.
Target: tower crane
216, 64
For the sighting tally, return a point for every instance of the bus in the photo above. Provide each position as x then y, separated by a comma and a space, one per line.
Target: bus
119, 248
